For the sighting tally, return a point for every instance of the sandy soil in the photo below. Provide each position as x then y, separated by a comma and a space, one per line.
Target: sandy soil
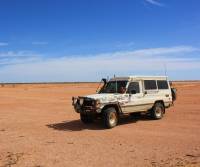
39, 128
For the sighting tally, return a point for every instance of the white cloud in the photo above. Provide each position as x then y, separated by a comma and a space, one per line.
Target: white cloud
124, 45
39, 43
157, 51
11, 57
11, 54
3, 44
92, 67
154, 2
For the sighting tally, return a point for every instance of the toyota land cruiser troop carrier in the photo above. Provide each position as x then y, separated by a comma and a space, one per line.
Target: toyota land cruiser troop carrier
126, 95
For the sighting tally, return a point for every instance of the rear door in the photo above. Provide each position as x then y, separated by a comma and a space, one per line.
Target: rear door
150, 93
164, 91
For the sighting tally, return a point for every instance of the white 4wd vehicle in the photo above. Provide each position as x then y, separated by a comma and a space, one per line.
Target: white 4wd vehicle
126, 95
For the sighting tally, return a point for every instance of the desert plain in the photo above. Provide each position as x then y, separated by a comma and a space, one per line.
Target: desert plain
39, 128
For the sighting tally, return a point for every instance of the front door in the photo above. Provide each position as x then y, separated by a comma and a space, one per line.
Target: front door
135, 101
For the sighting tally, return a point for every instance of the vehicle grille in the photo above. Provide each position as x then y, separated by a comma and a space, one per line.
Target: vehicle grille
88, 102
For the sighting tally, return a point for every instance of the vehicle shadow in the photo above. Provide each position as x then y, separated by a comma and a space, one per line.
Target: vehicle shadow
133, 119
77, 125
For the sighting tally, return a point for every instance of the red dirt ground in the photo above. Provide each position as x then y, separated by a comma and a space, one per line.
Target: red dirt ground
39, 128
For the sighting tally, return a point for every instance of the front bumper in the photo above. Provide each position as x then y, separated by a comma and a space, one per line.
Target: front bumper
83, 107
86, 109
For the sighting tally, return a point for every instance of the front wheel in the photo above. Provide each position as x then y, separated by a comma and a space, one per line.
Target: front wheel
157, 111
110, 117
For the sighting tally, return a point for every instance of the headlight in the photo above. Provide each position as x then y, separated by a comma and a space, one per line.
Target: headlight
97, 104
74, 100
81, 101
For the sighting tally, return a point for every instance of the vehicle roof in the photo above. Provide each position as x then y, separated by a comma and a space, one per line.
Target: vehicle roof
139, 78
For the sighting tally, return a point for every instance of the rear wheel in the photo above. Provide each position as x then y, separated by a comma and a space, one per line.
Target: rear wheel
157, 111
86, 118
110, 117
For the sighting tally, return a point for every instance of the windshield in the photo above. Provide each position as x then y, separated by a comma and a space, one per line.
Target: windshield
115, 87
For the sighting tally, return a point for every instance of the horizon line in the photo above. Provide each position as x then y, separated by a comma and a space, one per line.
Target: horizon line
78, 82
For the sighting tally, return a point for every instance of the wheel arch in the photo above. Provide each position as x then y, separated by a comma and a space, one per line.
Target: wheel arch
113, 105
160, 101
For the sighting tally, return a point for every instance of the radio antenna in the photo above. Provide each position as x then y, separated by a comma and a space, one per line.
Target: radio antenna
115, 84
165, 68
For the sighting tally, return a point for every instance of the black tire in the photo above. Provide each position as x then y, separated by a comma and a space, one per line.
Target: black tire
86, 118
110, 117
157, 111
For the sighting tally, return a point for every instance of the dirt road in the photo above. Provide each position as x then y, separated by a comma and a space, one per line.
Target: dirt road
39, 128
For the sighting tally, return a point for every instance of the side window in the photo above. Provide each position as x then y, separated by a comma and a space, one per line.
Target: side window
150, 84
162, 84
134, 88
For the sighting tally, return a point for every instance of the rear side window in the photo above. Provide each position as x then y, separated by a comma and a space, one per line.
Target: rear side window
162, 84
134, 88
150, 84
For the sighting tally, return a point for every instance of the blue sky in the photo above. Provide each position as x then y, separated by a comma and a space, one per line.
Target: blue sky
85, 40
